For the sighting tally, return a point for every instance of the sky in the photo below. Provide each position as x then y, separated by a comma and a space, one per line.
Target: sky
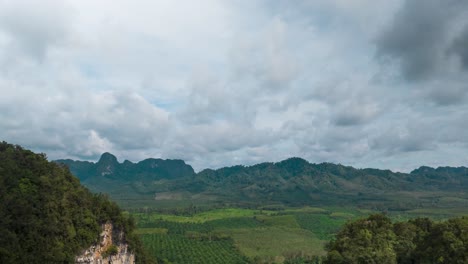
216, 83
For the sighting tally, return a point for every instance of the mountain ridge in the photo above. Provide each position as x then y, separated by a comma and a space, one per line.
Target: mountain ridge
108, 165
106, 156
291, 181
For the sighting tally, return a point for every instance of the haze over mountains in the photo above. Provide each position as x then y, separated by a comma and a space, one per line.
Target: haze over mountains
293, 181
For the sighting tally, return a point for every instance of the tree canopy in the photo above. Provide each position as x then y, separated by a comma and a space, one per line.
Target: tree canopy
47, 216
377, 240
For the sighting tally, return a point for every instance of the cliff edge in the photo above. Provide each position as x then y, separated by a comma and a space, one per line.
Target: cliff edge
111, 249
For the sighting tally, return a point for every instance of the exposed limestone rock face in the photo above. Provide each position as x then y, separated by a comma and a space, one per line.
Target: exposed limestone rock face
99, 253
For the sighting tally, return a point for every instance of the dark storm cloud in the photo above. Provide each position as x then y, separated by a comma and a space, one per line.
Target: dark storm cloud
460, 48
445, 93
421, 34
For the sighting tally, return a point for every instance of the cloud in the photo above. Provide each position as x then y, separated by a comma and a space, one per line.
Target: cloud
425, 39
397, 140
460, 47
32, 28
422, 131
221, 83
124, 116
355, 114
265, 57
420, 35
445, 93
78, 121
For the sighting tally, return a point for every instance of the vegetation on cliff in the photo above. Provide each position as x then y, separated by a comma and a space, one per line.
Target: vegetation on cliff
47, 216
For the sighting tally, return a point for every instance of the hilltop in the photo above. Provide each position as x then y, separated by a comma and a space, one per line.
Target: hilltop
47, 216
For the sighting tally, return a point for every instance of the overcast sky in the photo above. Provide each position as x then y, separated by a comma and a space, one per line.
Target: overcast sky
359, 82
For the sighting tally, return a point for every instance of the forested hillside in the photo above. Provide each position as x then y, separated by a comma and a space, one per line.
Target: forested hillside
294, 181
47, 216
376, 239
146, 170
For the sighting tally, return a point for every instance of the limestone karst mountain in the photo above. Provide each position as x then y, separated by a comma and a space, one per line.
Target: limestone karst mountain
293, 181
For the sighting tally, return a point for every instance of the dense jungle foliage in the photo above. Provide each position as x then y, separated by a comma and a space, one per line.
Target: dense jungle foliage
46, 216
377, 240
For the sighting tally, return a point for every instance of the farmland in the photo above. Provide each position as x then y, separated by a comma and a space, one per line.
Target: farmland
182, 249
239, 235
281, 212
234, 235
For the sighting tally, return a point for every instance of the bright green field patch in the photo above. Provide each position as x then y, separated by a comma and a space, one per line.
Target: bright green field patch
307, 209
271, 242
177, 227
279, 220
323, 226
235, 222
154, 217
228, 213
204, 216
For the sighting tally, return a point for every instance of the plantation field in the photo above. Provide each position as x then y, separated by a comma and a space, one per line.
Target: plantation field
240, 235
276, 242
181, 249
237, 235
202, 217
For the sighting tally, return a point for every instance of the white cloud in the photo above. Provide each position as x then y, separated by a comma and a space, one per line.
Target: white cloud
33, 27
221, 83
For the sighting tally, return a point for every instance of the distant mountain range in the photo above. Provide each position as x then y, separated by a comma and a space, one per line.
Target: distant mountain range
146, 170
294, 181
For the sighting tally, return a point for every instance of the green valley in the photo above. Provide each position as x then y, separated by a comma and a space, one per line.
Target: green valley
260, 236
157, 183
284, 212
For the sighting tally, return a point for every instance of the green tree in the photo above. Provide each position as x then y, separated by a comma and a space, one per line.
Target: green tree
47, 216
369, 240
376, 240
445, 242
111, 251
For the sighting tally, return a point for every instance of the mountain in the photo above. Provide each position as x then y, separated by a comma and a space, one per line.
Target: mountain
47, 216
294, 181
146, 170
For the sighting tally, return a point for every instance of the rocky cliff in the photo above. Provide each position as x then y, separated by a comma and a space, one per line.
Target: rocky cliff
111, 249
